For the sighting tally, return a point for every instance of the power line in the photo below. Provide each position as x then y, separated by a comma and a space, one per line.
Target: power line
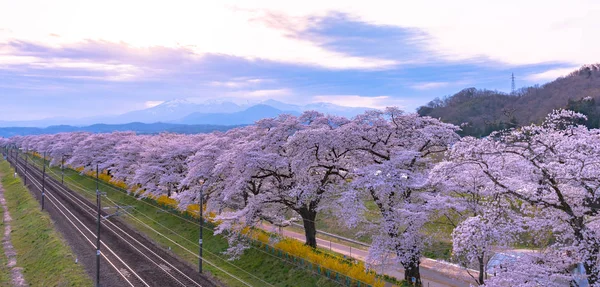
38, 185
80, 187
89, 210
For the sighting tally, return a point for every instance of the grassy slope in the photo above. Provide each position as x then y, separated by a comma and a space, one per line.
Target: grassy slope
44, 255
254, 263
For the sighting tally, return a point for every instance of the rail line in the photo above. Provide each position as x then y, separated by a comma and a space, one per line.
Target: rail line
152, 266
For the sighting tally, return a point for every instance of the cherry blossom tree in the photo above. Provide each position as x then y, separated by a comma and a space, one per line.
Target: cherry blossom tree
96, 149
3, 144
533, 269
474, 239
63, 145
175, 159
43, 144
40, 144
203, 175
127, 157
397, 152
553, 169
483, 220
162, 163
285, 164
535, 180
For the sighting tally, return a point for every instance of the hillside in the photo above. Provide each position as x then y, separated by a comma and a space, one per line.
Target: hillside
480, 112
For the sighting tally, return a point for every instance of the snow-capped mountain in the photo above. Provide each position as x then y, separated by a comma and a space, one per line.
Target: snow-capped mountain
283, 106
216, 112
245, 117
213, 112
176, 109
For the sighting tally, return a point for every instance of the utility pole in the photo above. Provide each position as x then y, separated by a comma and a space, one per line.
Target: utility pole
26, 157
62, 170
25, 170
43, 180
512, 77
97, 231
17, 157
201, 227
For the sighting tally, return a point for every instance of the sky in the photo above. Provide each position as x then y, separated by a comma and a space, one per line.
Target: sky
75, 58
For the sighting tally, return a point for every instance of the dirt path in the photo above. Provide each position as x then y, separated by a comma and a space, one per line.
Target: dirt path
9, 249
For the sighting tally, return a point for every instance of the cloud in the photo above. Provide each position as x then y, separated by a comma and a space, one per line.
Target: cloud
12, 60
238, 83
550, 74
301, 32
564, 32
72, 68
202, 27
429, 85
254, 50
378, 102
150, 104
275, 93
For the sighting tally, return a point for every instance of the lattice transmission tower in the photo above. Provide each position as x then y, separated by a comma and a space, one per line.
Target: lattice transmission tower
512, 77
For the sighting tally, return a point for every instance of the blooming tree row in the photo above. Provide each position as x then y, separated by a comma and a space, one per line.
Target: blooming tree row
536, 186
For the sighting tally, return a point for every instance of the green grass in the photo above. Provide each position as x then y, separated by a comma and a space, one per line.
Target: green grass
44, 255
438, 250
253, 267
438, 247
329, 222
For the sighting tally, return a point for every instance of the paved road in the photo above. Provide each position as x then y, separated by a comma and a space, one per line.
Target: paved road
128, 258
433, 273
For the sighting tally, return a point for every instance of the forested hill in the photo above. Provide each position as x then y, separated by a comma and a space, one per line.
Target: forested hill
479, 112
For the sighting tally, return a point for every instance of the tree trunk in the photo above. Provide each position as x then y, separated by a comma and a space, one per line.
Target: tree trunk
591, 269
481, 270
310, 230
411, 270
589, 264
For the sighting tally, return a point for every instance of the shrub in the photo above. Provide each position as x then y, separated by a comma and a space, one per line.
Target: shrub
334, 263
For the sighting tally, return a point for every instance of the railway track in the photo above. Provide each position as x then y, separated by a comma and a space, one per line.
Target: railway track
127, 258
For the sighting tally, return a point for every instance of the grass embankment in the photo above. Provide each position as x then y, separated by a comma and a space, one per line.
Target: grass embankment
42, 252
5, 277
256, 266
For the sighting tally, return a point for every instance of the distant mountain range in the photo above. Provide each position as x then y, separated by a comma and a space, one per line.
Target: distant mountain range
247, 116
178, 115
185, 112
140, 128
480, 112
